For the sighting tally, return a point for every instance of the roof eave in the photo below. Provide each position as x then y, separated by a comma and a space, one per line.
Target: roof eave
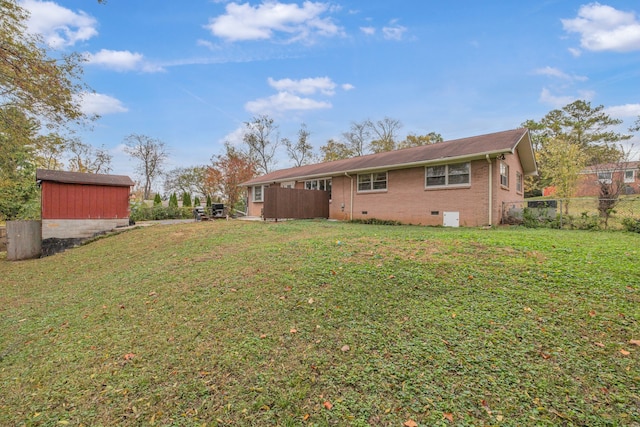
440, 160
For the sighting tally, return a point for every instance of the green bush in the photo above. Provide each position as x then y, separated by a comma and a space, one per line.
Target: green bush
196, 201
375, 221
631, 224
209, 203
142, 212
173, 201
157, 200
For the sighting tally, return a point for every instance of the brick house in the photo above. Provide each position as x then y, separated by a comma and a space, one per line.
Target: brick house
458, 182
626, 175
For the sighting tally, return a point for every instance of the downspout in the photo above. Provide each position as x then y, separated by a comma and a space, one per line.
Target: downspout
351, 196
490, 190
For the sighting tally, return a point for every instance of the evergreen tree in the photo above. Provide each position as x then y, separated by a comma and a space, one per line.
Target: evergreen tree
209, 203
186, 200
196, 201
157, 201
173, 201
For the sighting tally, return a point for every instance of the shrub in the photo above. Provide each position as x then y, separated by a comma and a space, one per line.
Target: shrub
631, 224
157, 200
209, 203
375, 221
196, 201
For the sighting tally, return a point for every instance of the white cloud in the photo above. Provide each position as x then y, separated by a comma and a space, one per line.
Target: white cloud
624, 111
394, 31
121, 60
100, 104
604, 28
298, 23
59, 26
307, 86
206, 43
368, 30
554, 72
546, 97
348, 86
282, 102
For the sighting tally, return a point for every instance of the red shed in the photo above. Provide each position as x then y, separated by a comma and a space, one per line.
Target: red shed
79, 205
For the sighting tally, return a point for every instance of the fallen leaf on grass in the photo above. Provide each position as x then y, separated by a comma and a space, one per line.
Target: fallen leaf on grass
599, 344
327, 405
345, 348
545, 356
263, 336
293, 331
311, 301
634, 342
592, 313
128, 356
453, 315
306, 417
410, 423
448, 416
624, 352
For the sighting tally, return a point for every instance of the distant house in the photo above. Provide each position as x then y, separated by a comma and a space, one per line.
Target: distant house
80, 205
459, 182
625, 174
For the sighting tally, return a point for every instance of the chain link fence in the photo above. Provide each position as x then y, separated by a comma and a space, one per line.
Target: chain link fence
574, 213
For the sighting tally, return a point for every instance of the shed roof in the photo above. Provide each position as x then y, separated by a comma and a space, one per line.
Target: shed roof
464, 149
83, 178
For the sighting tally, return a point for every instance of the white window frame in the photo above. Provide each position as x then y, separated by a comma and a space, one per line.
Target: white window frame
447, 174
605, 177
632, 178
372, 179
253, 193
519, 182
288, 184
504, 174
323, 184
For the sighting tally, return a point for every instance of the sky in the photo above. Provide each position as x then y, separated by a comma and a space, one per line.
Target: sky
191, 73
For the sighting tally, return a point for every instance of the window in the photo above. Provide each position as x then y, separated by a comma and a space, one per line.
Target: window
605, 177
372, 181
323, 184
518, 182
455, 174
258, 193
288, 184
629, 176
504, 174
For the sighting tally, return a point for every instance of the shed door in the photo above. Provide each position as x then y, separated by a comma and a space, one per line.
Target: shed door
451, 219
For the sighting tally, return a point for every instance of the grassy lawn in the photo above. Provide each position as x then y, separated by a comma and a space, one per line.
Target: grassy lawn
322, 323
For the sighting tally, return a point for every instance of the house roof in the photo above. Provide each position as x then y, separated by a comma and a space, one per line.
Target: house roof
83, 178
611, 167
465, 149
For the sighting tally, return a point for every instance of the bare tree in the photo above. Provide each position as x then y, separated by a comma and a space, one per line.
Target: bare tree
384, 134
85, 158
610, 180
358, 137
261, 142
300, 152
151, 154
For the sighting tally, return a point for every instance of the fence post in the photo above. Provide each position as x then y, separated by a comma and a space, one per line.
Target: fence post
561, 214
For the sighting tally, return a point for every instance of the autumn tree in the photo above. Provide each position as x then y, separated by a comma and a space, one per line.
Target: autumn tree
564, 161
228, 171
37, 88
578, 123
262, 141
335, 150
150, 154
413, 140
186, 180
385, 134
301, 152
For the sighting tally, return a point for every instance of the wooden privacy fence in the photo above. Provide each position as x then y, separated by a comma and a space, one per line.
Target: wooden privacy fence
290, 203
